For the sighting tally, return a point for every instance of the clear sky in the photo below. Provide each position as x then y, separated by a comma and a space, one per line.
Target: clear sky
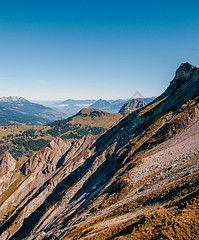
53, 49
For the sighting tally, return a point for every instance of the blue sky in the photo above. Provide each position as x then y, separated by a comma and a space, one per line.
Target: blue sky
94, 48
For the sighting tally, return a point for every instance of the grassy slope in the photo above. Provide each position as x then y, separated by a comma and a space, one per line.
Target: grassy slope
24, 140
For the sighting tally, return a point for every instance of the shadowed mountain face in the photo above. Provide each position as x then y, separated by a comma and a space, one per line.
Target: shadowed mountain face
138, 180
14, 110
132, 105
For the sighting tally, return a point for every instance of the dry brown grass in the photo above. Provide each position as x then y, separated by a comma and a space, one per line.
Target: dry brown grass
11, 188
106, 120
169, 222
172, 223
16, 129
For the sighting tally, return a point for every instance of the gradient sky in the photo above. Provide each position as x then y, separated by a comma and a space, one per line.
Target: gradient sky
53, 49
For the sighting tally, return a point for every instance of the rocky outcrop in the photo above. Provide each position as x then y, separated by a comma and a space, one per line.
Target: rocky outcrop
132, 106
42, 173
7, 164
47, 159
186, 78
184, 72
7, 170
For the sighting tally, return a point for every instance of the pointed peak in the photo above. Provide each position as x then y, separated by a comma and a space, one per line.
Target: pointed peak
186, 65
7, 163
186, 75
137, 95
184, 71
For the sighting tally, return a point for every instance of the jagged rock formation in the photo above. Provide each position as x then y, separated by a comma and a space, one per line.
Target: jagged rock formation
39, 177
132, 105
7, 168
7, 163
139, 180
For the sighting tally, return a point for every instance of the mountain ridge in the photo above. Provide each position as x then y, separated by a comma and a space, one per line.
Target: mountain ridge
132, 182
18, 110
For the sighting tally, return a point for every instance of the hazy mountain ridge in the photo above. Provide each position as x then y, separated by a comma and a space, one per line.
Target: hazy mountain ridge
80, 102
71, 106
138, 180
17, 110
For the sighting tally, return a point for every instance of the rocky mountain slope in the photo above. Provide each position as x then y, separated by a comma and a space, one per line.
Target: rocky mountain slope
14, 110
138, 180
132, 106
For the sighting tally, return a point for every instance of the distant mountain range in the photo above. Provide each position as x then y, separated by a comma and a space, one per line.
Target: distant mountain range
86, 102
112, 106
71, 107
17, 110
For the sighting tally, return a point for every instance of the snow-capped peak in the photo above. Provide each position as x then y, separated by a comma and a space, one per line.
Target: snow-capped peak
12, 99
